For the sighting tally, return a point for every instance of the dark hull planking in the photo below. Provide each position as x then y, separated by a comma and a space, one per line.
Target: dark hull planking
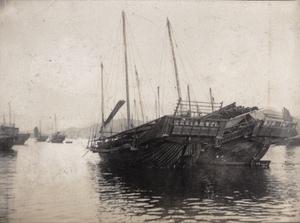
166, 154
173, 141
6, 143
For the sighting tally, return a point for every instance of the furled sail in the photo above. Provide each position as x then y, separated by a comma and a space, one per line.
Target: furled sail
113, 113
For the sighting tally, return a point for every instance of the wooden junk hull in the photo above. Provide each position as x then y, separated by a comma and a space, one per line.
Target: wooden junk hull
235, 152
168, 154
178, 142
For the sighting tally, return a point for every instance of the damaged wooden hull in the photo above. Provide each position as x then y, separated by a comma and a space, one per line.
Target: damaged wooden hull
173, 141
168, 154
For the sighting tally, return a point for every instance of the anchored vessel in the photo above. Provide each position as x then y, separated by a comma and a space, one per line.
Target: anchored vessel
38, 134
197, 132
8, 135
56, 138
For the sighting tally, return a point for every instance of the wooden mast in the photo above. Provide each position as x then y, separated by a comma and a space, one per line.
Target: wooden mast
212, 101
9, 110
188, 89
40, 132
102, 100
126, 71
158, 103
55, 128
138, 84
174, 60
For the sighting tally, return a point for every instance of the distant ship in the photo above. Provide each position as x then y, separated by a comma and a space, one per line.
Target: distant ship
38, 134
8, 134
7, 137
56, 138
197, 132
22, 138
42, 138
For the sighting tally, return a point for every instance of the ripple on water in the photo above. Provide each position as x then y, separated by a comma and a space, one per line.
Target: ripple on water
55, 184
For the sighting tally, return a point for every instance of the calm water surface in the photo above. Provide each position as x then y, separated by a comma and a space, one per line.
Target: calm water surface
41, 182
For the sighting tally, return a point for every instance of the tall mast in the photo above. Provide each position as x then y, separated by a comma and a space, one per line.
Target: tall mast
155, 108
212, 100
174, 59
55, 123
188, 89
138, 84
126, 71
9, 114
102, 97
40, 132
158, 103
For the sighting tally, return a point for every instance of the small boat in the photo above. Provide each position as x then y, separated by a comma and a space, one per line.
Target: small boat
38, 134
56, 138
197, 132
42, 138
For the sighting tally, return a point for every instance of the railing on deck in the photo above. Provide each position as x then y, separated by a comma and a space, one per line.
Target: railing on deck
270, 128
197, 126
196, 109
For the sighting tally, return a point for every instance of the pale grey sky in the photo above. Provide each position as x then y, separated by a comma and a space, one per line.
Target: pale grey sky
50, 54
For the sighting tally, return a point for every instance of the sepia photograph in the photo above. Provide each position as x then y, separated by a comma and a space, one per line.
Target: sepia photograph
149, 111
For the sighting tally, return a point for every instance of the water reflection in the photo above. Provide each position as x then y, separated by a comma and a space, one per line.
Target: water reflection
203, 193
54, 183
7, 173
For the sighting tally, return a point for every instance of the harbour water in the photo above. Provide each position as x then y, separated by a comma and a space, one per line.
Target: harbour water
42, 182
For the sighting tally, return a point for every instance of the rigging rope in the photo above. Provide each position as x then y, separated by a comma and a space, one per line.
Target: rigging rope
143, 65
180, 45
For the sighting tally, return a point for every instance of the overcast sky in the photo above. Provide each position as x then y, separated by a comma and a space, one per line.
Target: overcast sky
50, 53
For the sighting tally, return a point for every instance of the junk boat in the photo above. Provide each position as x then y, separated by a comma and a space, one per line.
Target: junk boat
197, 132
56, 137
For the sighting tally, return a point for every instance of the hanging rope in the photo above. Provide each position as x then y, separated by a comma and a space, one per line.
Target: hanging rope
178, 43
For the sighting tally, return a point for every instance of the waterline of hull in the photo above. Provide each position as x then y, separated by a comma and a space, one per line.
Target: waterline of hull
167, 154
